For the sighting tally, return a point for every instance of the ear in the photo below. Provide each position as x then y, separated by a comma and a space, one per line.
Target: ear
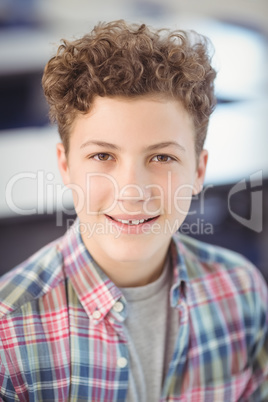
63, 164
200, 171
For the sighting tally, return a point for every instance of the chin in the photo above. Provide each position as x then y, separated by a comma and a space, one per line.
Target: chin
135, 249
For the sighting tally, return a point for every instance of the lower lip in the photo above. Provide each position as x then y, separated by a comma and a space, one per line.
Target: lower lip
141, 228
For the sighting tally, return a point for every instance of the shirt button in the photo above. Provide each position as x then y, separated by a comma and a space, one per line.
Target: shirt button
122, 362
118, 307
96, 315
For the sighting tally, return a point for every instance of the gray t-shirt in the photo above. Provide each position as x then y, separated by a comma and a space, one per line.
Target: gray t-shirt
151, 327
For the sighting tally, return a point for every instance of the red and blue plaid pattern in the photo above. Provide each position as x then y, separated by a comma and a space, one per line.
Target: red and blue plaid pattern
61, 339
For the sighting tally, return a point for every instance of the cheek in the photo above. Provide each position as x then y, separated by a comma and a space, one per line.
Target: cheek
172, 195
99, 193
179, 197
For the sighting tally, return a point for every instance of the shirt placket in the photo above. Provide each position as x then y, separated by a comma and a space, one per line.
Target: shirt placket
173, 384
116, 317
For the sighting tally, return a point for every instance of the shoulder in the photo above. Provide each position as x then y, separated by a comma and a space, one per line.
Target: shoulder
206, 252
31, 279
218, 268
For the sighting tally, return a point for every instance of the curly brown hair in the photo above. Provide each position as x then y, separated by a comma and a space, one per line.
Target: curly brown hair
130, 60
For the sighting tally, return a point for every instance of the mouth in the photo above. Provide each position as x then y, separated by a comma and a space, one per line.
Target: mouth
132, 224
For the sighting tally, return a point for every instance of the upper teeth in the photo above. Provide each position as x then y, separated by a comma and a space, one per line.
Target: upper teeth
131, 221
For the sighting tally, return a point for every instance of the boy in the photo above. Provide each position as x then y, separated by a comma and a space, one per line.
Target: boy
122, 308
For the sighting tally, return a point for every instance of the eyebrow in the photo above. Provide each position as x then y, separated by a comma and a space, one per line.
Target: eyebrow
153, 147
100, 144
165, 145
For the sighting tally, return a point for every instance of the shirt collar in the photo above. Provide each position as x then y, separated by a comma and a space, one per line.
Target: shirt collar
95, 291
180, 275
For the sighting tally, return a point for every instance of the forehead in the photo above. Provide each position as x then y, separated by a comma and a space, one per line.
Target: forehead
142, 117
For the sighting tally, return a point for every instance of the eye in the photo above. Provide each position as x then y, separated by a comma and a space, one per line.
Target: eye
102, 157
162, 158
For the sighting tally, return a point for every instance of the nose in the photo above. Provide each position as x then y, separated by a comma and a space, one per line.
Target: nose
134, 184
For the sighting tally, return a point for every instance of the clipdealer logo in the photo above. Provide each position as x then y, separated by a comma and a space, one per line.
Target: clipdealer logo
255, 221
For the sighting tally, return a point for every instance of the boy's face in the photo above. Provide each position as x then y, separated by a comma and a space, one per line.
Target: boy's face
130, 161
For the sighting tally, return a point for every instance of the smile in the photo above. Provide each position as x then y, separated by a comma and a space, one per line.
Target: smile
136, 222
132, 221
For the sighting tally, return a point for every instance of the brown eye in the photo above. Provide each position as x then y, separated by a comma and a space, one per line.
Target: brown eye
102, 157
162, 158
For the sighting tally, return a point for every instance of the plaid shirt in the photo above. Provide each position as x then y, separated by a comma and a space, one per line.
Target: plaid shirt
62, 340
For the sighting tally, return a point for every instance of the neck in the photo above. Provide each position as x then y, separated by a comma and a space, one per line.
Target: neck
124, 273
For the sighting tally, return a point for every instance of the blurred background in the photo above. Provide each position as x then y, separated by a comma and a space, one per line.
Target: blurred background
232, 210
